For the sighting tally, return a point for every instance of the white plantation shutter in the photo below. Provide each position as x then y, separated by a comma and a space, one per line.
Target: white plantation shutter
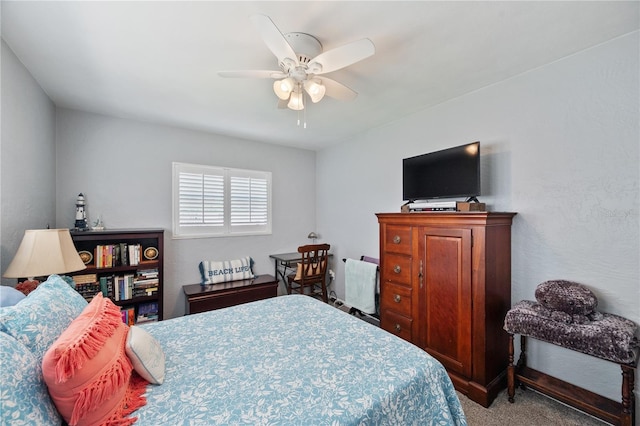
215, 201
201, 199
248, 201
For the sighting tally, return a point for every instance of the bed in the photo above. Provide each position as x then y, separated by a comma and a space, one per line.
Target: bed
289, 360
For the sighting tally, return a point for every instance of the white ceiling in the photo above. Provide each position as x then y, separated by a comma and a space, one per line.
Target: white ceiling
158, 61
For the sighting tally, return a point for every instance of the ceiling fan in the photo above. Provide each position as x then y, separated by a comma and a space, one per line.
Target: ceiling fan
303, 65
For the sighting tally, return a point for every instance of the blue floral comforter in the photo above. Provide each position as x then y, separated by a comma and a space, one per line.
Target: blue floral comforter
293, 360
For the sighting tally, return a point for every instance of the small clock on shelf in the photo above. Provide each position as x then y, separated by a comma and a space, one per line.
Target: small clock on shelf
150, 253
86, 256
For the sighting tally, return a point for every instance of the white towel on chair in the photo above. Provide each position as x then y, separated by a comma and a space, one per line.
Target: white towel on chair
360, 285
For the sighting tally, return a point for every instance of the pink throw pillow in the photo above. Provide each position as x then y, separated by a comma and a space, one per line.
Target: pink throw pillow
87, 370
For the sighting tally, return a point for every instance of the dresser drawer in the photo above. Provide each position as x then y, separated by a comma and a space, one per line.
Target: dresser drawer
396, 298
397, 239
396, 324
397, 269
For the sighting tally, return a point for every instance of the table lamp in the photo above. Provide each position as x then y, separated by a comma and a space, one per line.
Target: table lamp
44, 252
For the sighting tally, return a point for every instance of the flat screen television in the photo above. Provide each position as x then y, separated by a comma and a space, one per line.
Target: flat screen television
449, 173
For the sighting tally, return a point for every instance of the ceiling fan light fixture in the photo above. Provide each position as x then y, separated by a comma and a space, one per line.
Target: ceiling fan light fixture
315, 89
283, 88
295, 101
301, 58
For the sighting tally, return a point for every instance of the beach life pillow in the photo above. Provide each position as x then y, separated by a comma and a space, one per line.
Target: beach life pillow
146, 355
214, 272
87, 371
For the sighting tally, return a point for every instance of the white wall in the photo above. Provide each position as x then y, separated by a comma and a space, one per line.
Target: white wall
27, 158
560, 146
123, 168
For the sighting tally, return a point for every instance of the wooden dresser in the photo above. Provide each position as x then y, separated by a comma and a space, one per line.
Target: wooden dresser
446, 286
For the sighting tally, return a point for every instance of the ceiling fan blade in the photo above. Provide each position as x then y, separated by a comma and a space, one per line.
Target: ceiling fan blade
273, 38
340, 57
337, 90
252, 74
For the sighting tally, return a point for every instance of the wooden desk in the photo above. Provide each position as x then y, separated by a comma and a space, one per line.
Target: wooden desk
287, 261
202, 298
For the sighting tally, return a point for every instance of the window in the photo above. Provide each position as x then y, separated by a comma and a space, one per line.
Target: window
217, 201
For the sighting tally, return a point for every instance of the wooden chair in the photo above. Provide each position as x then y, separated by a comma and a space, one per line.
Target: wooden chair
311, 273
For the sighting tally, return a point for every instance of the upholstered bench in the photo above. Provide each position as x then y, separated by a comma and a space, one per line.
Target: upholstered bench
562, 318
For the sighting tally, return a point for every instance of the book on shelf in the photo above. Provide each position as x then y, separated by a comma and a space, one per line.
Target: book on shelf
128, 286
123, 287
88, 290
124, 255
146, 283
144, 292
116, 287
85, 279
103, 286
128, 314
113, 255
103, 256
147, 312
117, 260
134, 254
147, 273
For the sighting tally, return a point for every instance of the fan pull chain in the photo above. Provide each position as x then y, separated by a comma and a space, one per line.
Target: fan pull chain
304, 111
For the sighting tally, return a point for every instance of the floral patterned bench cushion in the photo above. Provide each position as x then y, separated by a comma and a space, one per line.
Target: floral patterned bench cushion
607, 336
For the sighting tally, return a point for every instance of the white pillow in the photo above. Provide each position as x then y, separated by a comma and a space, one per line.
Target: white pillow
145, 354
214, 272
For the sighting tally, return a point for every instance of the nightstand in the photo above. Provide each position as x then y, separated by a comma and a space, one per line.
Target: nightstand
202, 298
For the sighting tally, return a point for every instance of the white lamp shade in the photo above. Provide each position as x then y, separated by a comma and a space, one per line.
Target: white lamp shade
44, 252
315, 89
283, 88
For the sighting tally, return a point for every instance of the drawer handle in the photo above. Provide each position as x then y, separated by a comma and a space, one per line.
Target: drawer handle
397, 298
397, 239
398, 328
397, 269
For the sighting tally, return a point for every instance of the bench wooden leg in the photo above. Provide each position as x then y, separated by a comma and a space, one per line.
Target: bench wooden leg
511, 374
522, 360
511, 369
628, 399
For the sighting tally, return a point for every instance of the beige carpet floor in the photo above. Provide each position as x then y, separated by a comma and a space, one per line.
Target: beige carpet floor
529, 408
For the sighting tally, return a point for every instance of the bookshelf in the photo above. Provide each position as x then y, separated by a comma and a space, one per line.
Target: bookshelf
127, 266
